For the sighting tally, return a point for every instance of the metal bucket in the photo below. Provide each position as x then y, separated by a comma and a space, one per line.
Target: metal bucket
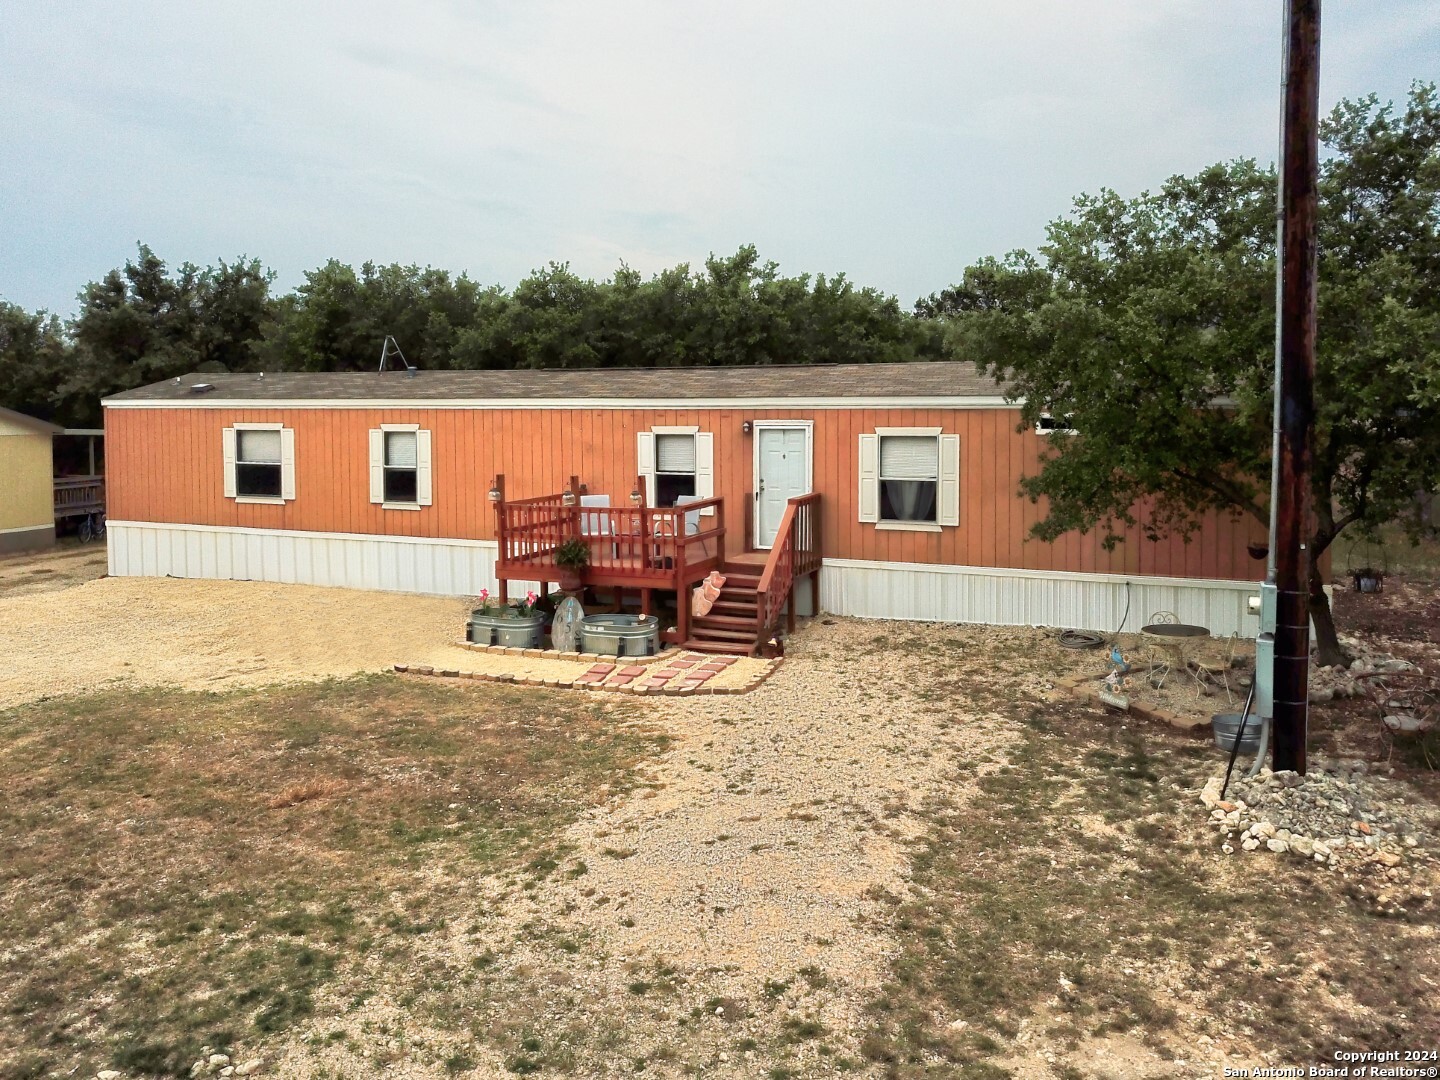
620, 635
516, 632
1225, 725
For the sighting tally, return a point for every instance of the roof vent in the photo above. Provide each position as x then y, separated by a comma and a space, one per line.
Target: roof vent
201, 387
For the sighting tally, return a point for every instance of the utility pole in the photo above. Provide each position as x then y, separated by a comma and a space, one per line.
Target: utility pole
1299, 171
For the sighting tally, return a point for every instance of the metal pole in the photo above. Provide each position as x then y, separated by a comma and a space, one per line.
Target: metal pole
1300, 168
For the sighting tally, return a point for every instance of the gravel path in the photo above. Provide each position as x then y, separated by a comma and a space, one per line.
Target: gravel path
752, 868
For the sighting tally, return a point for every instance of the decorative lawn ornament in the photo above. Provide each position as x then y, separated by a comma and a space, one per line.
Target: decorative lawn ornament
565, 627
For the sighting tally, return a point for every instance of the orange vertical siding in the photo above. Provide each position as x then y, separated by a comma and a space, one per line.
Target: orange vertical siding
164, 465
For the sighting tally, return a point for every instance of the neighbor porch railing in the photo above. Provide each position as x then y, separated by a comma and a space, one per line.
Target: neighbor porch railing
79, 496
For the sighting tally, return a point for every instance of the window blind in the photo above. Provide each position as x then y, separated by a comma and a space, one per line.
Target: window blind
258, 447
400, 450
675, 453
909, 457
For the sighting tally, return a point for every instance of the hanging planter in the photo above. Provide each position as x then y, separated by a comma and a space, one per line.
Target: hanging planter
1368, 566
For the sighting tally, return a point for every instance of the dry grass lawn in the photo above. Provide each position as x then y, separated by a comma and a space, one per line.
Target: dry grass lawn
903, 856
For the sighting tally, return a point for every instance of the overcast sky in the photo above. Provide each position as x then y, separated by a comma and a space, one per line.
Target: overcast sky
895, 142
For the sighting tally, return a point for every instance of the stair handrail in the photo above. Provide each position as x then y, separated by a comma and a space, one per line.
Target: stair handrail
778, 578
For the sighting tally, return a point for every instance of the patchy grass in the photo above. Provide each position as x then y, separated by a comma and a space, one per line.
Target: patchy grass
1082, 889
179, 869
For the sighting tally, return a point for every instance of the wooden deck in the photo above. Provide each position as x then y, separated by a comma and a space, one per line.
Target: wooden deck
631, 547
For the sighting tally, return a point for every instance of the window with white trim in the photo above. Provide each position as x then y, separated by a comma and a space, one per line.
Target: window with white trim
910, 478
400, 467
1048, 424
259, 462
678, 463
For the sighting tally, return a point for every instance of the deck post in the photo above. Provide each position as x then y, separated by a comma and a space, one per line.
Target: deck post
720, 540
498, 487
682, 588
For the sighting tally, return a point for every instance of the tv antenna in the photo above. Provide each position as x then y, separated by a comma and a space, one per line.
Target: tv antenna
390, 348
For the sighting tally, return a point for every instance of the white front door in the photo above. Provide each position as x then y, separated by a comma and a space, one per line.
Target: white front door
782, 471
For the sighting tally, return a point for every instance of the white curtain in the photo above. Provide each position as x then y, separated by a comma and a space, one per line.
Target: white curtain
909, 474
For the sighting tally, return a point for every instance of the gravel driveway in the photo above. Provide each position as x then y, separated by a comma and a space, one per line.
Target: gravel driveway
201, 635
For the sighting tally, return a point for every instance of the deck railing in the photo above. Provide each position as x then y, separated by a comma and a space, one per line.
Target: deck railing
77, 496
795, 552
648, 544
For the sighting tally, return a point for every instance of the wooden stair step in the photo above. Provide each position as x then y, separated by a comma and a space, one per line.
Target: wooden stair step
750, 599
724, 622
742, 581
721, 633
724, 648
734, 607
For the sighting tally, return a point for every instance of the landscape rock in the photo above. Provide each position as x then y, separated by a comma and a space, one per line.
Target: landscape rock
1339, 806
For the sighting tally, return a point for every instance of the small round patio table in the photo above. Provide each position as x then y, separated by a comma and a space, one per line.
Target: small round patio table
1171, 640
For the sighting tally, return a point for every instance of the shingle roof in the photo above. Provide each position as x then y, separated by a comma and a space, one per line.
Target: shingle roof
947, 379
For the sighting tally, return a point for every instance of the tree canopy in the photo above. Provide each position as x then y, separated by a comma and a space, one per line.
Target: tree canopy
142, 322
1149, 323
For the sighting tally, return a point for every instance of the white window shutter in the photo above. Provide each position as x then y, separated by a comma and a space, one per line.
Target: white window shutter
947, 510
287, 463
422, 468
227, 450
705, 469
377, 465
869, 477
645, 463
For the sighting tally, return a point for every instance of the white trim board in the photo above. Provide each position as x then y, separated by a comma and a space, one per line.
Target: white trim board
671, 404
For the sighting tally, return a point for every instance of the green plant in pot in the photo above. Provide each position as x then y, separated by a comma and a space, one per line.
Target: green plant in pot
572, 557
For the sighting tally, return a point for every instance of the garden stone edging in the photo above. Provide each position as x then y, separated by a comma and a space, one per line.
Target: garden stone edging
555, 683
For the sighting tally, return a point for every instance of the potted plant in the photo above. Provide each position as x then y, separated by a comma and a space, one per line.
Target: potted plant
571, 558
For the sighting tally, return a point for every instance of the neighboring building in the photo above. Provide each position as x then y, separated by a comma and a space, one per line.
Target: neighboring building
380, 480
27, 498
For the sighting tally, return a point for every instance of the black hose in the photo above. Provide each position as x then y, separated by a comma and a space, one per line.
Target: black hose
1239, 734
1079, 639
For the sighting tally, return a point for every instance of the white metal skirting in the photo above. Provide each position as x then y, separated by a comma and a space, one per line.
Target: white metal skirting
348, 560
870, 590
1030, 598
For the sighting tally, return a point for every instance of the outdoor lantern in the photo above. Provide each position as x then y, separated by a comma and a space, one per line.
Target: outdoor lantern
635, 496
494, 494
568, 497
746, 427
